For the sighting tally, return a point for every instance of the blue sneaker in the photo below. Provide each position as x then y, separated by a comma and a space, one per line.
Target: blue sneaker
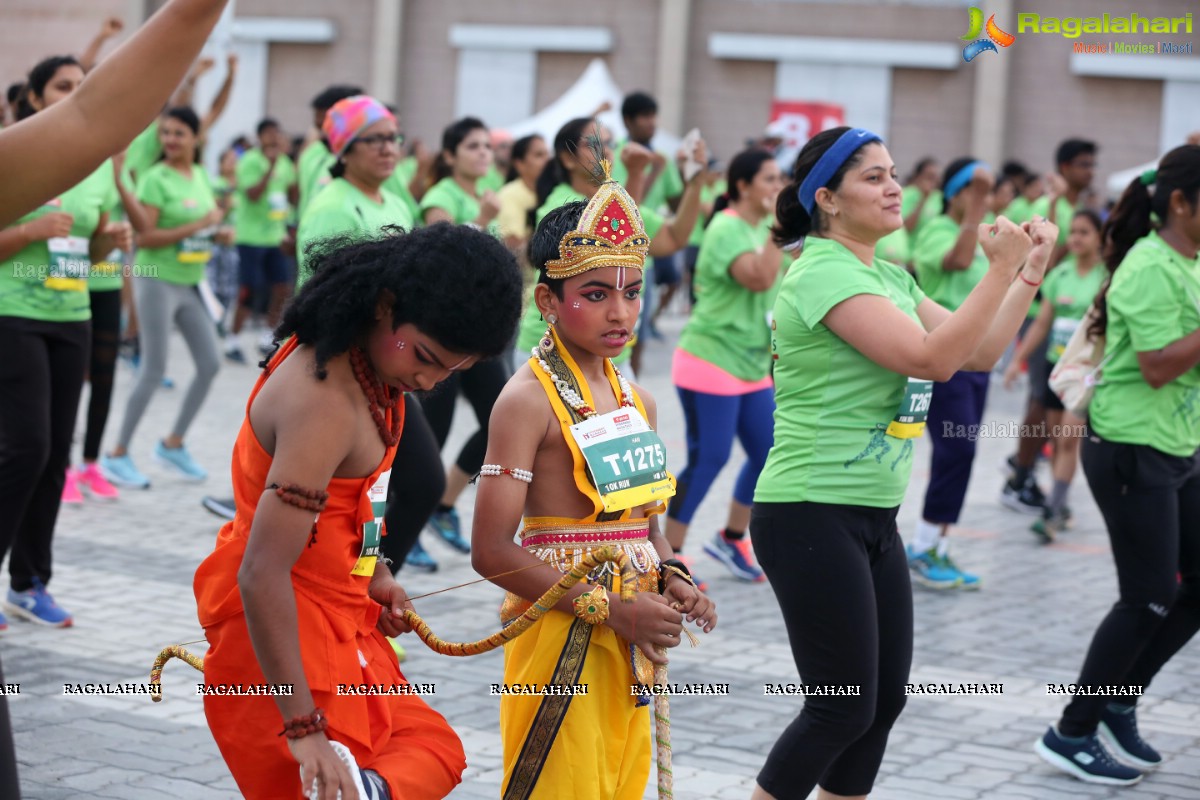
931, 570
121, 471
3, 622
966, 580
446, 524
36, 605
417, 558
1085, 759
1118, 730
736, 556
180, 460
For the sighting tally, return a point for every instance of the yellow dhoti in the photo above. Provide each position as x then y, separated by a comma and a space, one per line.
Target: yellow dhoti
594, 745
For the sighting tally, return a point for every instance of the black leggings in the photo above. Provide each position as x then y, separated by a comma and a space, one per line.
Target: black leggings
481, 385
1151, 505
417, 484
106, 332
841, 578
41, 378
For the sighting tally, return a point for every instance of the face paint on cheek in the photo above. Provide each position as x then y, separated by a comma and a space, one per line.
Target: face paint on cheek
575, 305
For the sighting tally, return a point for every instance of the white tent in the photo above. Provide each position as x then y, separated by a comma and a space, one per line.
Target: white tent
1119, 180
594, 88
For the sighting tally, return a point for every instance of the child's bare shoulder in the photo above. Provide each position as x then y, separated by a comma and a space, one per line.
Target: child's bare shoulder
523, 401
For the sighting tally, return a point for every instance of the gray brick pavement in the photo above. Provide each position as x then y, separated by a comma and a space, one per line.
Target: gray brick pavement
125, 571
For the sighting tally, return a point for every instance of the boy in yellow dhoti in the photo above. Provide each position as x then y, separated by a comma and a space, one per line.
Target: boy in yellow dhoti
572, 450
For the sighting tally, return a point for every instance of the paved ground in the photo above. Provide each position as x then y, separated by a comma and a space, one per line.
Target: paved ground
125, 570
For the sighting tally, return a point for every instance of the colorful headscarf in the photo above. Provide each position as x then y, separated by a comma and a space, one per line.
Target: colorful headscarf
350, 117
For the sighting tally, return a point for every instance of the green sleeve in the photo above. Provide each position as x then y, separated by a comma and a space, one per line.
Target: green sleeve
932, 244
653, 222
439, 197
250, 169
1146, 297
672, 181
827, 281
724, 242
150, 189
909, 199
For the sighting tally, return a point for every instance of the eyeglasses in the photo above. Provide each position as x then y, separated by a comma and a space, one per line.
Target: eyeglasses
380, 141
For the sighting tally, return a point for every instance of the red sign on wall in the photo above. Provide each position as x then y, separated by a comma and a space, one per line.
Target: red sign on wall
797, 121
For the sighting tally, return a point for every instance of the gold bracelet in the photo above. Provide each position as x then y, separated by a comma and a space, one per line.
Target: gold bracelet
592, 606
676, 571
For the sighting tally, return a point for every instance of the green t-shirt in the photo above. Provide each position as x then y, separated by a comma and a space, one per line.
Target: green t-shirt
708, 195
48, 280
532, 325
342, 208
930, 247
447, 195
1154, 300
832, 403
105, 276
667, 186
730, 325
397, 184
143, 152
180, 200
263, 222
312, 173
492, 181
1062, 215
1019, 210
1071, 294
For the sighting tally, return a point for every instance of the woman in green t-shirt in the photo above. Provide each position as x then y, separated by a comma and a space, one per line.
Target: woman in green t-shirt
1141, 463
46, 310
174, 247
856, 347
465, 158
1067, 293
722, 369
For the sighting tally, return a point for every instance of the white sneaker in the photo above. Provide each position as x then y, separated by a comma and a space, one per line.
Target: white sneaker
361, 791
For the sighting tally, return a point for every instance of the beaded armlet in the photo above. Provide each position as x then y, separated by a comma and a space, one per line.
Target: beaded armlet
300, 497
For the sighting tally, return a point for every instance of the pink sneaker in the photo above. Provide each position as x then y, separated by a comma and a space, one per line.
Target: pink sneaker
71, 495
93, 480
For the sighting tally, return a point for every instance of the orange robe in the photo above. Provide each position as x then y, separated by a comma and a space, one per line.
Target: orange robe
398, 736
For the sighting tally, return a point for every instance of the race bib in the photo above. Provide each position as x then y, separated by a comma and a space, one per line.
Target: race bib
69, 263
277, 206
909, 422
373, 530
1060, 334
197, 248
626, 459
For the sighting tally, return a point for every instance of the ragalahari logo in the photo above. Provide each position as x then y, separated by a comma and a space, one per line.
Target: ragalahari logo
995, 36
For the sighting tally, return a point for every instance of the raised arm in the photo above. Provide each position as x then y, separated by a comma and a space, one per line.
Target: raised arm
944, 342
222, 99
56, 148
108, 29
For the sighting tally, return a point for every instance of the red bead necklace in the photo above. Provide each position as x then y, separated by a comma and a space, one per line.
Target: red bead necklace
380, 397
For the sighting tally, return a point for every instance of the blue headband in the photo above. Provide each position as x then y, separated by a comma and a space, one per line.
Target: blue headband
960, 179
829, 163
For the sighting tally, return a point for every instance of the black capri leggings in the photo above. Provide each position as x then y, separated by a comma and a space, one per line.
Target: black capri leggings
1151, 505
417, 484
481, 385
841, 578
106, 331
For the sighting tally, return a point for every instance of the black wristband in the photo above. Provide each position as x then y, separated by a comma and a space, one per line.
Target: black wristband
664, 574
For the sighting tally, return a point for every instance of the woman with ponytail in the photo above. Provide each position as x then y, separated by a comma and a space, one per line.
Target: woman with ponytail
1140, 460
856, 346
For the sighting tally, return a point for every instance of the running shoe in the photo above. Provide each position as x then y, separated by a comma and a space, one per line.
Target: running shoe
1084, 758
225, 508
3, 622
1118, 730
696, 579
121, 471
1050, 525
1027, 499
931, 570
168, 382
71, 496
180, 460
36, 605
92, 479
365, 786
737, 556
966, 580
235, 355
446, 525
418, 558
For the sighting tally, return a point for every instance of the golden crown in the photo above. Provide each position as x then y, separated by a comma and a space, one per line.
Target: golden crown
610, 234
